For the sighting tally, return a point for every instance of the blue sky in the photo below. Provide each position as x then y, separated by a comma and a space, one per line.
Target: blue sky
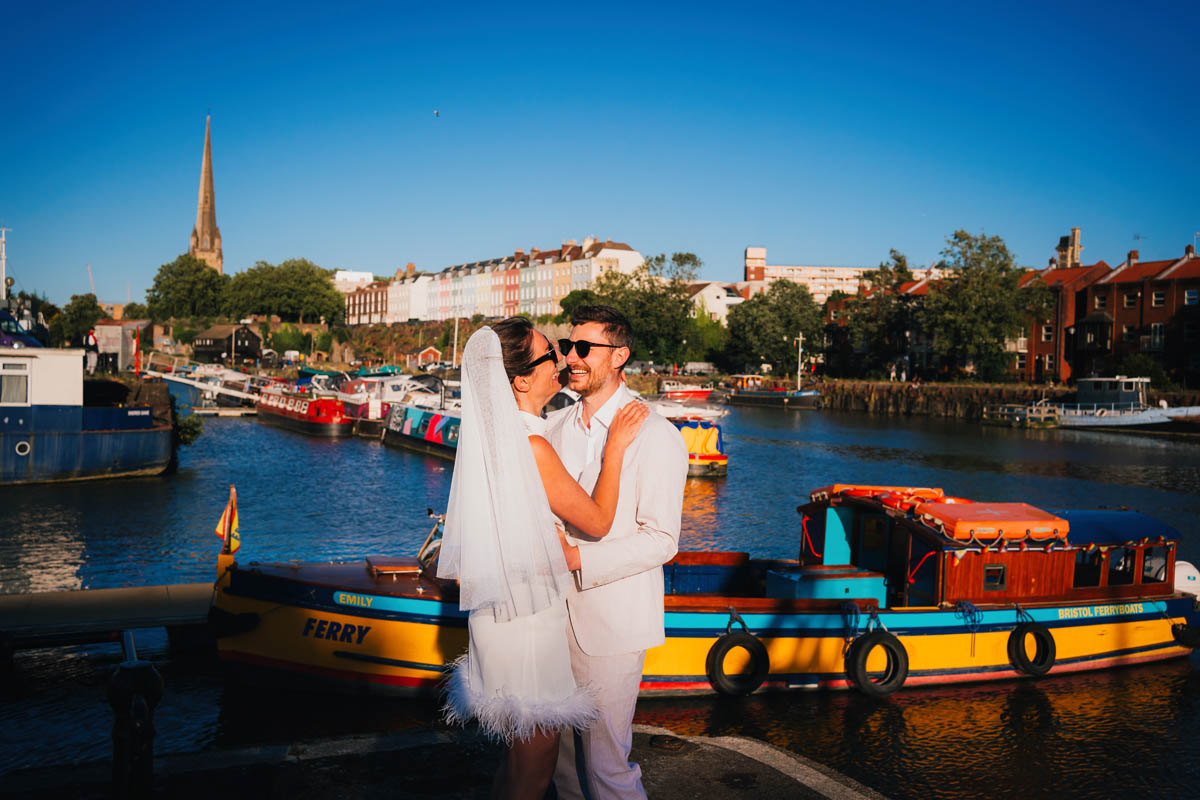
826, 135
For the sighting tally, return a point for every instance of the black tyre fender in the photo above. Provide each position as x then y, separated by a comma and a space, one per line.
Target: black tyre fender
1044, 654
895, 673
743, 684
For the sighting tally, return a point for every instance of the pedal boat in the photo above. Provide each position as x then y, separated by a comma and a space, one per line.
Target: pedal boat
894, 587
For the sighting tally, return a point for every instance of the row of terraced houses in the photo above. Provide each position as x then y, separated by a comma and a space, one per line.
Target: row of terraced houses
532, 283
1099, 315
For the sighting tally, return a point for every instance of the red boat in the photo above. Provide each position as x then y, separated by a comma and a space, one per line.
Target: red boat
678, 390
303, 412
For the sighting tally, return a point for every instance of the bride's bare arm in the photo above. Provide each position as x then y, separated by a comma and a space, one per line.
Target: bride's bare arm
592, 514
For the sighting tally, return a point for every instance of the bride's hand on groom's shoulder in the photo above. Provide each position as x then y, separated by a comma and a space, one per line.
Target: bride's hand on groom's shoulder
626, 424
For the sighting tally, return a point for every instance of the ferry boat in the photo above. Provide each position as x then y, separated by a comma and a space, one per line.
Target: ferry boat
310, 413
759, 390
894, 587
55, 426
678, 390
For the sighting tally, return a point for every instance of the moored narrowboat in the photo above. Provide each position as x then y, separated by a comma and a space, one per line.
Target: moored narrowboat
426, 430
759, 390
894, 587
303, 412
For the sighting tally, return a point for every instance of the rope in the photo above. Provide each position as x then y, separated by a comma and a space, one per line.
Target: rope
850, 617
1022, 614
970, 613
808, 541
911, 579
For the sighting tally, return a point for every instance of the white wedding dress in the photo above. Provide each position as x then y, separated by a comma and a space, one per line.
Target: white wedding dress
500, 544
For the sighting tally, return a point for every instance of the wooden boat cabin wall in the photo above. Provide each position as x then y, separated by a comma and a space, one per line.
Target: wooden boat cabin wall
922, 562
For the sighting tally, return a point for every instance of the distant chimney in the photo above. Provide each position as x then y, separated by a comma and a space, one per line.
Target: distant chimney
519, 253
1189, 251
410, 269
571, 243
588, 242
1132, 258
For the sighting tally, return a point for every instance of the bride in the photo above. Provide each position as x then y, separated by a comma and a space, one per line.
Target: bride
502, 545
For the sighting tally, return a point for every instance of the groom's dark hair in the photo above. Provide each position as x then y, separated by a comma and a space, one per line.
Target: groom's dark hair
616, 325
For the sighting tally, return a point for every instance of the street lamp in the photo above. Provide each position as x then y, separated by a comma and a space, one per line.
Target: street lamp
799, 340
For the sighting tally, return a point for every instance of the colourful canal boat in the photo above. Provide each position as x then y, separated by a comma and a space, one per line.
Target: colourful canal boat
894, 587
426, 430
304, 412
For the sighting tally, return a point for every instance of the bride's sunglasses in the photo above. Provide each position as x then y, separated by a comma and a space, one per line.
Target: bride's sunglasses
581, 347
549, 355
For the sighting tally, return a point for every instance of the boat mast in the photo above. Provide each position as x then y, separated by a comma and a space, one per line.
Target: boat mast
3, 269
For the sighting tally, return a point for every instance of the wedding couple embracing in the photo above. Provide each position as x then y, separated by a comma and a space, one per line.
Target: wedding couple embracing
557, 530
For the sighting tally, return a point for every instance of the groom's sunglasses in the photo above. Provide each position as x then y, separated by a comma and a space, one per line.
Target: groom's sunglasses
581, 347
549, 355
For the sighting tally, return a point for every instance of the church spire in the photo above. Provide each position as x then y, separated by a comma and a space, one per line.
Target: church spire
206, 236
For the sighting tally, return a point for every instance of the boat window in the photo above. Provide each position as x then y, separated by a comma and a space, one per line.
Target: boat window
1154, 565
1127, 386
1121, 563
1087, 567
994, 577
14, 389
304, 408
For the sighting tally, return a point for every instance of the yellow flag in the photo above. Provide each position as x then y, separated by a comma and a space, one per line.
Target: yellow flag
227, 527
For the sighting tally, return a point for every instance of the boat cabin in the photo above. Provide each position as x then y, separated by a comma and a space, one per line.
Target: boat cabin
1118, 392
924, 549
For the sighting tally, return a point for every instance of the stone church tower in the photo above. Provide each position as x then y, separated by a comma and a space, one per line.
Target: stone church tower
206, 236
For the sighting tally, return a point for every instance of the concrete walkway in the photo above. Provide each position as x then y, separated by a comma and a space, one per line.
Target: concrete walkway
445, 765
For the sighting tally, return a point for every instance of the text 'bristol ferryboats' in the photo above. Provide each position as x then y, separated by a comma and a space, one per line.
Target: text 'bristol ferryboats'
894, 587
303, 412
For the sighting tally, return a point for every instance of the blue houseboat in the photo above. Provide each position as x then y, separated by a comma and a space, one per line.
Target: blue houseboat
48, 433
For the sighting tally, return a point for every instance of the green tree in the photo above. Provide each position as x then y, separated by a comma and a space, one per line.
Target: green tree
135, 310
573, 300
296, 290
975, 309
186, 287
76, 319
880, 319
250, 292
764, 328
37, 304
656, 300
706, 339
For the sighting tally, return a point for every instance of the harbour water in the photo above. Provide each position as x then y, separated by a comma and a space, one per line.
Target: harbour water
1097, 735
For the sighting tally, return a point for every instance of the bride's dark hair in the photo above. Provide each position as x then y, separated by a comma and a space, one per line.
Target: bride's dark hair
516, 345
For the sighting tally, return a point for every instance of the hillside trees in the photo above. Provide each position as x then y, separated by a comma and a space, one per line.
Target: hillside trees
762, 330
656, 300
880, 319
979, 305
77, 318
186, 287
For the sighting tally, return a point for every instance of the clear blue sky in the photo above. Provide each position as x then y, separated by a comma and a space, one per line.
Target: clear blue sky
826, 135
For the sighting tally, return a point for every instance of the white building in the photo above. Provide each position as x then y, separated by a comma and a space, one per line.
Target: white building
822, 281
714, 299
346, 281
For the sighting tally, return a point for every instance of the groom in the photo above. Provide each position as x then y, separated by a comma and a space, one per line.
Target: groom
617, 614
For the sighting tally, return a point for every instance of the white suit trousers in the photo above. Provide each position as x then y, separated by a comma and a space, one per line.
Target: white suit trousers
602, 760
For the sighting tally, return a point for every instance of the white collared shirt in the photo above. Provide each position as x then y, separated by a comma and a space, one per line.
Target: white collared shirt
582, 444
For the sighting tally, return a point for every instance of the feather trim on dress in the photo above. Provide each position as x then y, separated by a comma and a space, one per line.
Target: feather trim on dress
505, 717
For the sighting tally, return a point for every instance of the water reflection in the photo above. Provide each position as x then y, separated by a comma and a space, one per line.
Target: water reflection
1075, 736
301, 498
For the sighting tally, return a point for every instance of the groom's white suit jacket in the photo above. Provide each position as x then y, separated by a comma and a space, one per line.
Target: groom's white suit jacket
618, 605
